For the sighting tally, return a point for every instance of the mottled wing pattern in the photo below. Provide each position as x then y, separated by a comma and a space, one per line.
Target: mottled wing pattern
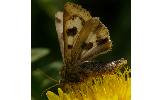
84, 36
99, 41
74, 18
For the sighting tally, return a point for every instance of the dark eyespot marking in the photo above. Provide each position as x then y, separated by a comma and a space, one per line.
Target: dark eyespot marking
102, 41
87, 46
71, 31
70, 46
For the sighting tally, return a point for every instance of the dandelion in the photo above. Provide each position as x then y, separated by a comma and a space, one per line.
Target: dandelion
115, 86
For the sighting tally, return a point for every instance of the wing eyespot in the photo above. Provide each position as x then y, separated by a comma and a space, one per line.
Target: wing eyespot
102, 41
87, 46
71, 31
70, 46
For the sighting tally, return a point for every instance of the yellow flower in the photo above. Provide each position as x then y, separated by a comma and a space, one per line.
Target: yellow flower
105, 87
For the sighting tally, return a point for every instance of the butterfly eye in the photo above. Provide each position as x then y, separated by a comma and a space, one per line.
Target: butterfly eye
73, 77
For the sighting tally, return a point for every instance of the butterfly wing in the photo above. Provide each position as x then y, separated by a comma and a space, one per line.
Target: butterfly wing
81, 36
59, 29
97, 42
74, 18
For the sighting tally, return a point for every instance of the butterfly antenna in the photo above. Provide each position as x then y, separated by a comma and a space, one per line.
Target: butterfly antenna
49, 77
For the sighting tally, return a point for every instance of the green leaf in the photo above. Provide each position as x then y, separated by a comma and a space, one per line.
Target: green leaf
38, 53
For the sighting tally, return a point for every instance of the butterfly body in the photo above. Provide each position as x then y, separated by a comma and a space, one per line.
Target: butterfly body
89, 69
82, 37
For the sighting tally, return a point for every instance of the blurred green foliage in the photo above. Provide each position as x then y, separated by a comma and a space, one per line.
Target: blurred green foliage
46, 56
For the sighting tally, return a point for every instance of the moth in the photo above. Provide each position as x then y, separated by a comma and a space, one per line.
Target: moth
82, 38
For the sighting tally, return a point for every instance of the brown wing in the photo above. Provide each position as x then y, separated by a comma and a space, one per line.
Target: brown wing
84, 36
74, 18
97, 42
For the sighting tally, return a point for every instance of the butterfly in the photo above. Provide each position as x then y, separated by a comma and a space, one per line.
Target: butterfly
82, 38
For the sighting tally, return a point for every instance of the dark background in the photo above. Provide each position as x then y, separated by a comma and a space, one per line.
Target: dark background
46, 55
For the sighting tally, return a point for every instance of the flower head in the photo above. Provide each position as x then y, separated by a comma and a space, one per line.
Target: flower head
115, 86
